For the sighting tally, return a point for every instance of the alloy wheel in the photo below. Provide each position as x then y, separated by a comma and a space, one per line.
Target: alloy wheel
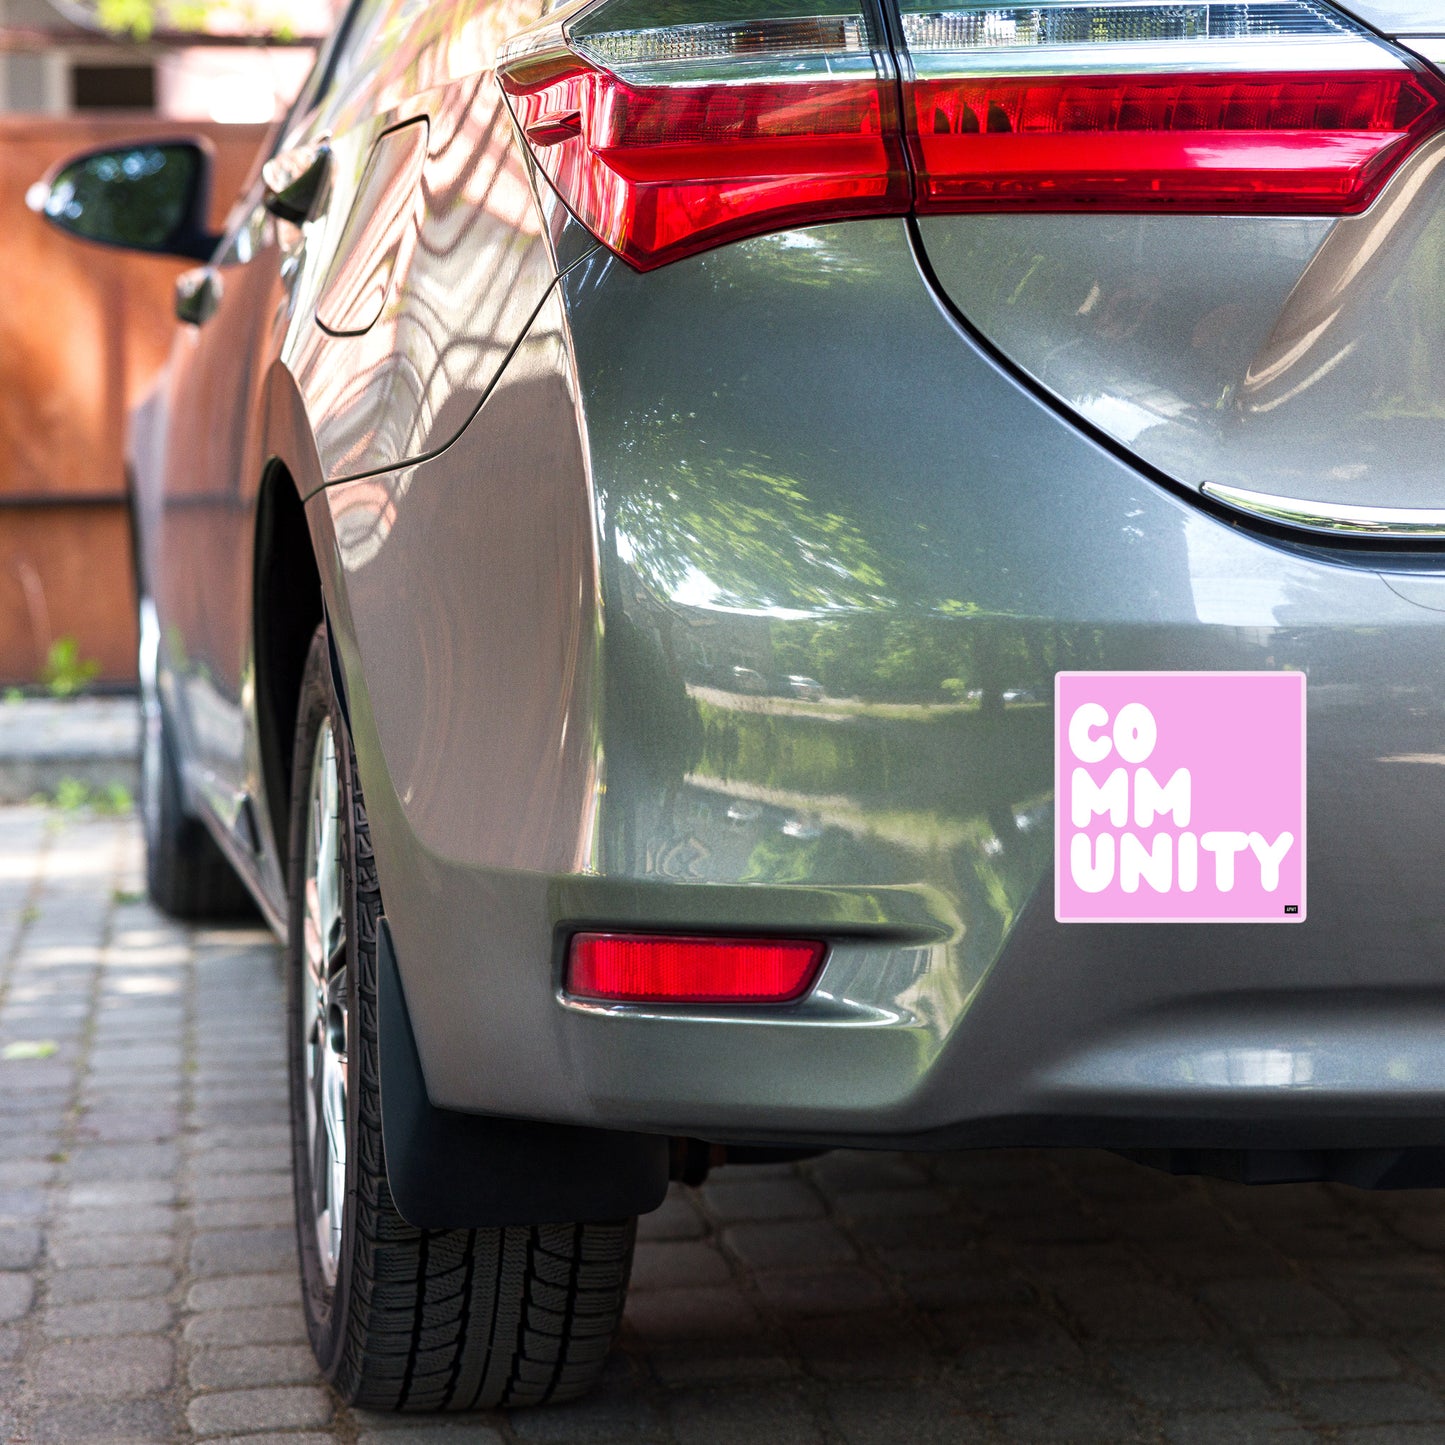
323, 946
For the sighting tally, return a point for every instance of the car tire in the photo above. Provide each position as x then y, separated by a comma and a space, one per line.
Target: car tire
402, 1318
187, 875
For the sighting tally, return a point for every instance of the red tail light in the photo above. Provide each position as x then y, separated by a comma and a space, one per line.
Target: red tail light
658, 172
1316, 144
646, 968
667, 139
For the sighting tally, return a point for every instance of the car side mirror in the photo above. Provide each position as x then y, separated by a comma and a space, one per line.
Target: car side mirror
147, 196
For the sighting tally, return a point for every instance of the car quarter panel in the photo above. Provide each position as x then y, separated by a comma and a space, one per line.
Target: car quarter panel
455, 244
783, 459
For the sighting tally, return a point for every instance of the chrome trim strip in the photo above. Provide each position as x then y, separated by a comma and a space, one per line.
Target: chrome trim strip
725, 40
1169, 57
1332, 517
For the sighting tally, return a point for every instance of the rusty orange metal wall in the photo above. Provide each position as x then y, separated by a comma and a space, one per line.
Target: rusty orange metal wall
83, 331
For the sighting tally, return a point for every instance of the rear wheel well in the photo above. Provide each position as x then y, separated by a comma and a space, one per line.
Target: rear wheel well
288, 607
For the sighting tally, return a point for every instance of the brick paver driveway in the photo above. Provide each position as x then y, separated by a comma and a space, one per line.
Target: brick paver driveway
147, 1286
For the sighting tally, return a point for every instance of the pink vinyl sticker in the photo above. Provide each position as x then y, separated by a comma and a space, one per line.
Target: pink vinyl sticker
1179, 797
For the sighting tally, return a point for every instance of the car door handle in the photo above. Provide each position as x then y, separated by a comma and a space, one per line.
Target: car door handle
198, 293
293, 180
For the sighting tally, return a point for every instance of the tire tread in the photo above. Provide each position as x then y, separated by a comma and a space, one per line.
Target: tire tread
452, 1319
187, 875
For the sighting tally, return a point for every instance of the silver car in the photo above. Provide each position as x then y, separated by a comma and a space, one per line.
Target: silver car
1052, 396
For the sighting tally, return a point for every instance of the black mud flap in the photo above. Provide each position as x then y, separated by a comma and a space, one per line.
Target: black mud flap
450, 1170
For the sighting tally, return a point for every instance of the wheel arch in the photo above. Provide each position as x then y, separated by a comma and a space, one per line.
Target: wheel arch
288, 605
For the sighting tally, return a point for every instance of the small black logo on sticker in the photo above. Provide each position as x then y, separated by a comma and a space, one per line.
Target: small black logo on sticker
1291, 908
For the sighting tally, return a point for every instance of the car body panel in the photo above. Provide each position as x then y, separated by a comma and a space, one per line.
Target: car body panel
201, 504
1399, 17
383, 220
570, 770
260, 384
474, 265
1300, 358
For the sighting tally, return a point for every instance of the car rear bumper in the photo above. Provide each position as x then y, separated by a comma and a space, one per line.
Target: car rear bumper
1324, 1036
550, 636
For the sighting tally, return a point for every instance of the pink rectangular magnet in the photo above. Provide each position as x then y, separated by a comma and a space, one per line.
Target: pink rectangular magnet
1179, 797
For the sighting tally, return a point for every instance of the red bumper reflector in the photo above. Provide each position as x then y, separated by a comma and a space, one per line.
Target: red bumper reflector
648, 968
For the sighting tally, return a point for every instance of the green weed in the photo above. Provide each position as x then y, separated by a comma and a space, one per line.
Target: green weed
75, 795
24, 1049
66, 672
